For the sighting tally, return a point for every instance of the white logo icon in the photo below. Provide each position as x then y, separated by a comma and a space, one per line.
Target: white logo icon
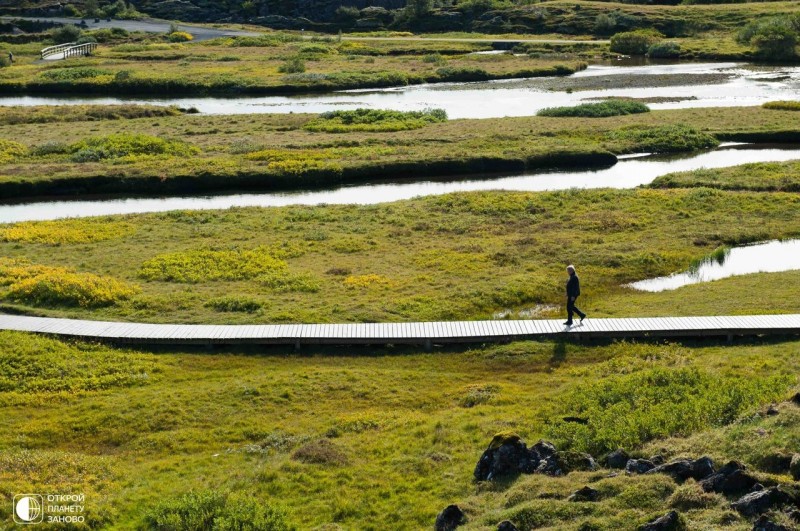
28, 509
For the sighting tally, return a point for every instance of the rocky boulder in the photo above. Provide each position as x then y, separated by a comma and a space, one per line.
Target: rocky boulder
638, 466
669, 522
586, 494
794, 467
617, 459
507, 454
730, 479
506, 525
450, 518
765, 524
759, 502
683, 469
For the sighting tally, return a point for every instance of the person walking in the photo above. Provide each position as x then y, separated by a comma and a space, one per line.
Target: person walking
573, 290
11, 57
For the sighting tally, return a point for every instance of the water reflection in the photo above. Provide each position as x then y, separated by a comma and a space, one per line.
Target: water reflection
627, 173
684, 84
770, 257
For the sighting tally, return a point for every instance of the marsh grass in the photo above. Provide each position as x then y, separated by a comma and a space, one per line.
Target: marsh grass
370, 430
374, 120
762, 176
597, 110
782, 105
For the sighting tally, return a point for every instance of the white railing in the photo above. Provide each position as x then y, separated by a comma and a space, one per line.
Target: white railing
69, 49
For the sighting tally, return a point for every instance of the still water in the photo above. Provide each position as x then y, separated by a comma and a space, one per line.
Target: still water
769, 257
676, 85
627, 173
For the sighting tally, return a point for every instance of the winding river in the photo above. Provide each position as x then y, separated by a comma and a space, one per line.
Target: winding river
667, 85
629, 172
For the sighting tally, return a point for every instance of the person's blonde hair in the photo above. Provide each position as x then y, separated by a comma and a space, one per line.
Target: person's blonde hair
570, 267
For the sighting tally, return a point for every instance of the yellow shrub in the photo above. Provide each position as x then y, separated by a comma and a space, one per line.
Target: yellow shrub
10, 150
180, 36
207, 265
37, 284
59, 232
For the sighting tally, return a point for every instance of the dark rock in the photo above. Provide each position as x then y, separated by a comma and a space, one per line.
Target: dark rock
617, 459
657, 460
794, 467
550, 466
730, 479
450, 518
544, 449
507, 454
796, 399
772, 410
683, 469
765, 524
639, 466
572, 461
586, 494
669, 522
576, 420
506, 525
757, 487
760, 502
777, 463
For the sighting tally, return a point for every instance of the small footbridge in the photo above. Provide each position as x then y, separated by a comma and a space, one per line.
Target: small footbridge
67, 50
422, 333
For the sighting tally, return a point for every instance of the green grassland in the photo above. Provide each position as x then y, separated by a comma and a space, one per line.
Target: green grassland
379, 438
457, 256
272, 64
773, 176
149, 155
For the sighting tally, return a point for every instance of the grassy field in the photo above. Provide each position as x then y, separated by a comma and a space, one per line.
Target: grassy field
272, 64
463, 255
780, 176
149, 155
366, 438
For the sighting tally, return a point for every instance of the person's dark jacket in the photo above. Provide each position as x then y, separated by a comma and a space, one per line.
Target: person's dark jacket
573, 286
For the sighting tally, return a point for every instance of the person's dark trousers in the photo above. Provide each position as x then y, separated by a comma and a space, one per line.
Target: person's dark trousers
571, 308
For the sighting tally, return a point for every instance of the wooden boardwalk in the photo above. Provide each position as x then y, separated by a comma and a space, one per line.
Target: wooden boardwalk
426, 334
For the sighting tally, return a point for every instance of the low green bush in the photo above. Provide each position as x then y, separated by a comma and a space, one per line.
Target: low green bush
374, 120
627, 410
74, 73
61, 287
124, 144
597, 110
66, 33
773, 38
234, 304
664, 50
663, 139
294, 65
634, 42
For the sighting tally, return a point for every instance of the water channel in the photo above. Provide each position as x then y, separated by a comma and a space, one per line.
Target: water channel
666, 85
629, 172
768, 257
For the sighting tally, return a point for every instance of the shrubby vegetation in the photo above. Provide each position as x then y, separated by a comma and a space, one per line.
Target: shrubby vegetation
597, 110
664, 50
664, 139
636, 42
180, 36
374, 120
773, 38
58, 286
65, 231
214, 511
625, 411
121, 145
10, 150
